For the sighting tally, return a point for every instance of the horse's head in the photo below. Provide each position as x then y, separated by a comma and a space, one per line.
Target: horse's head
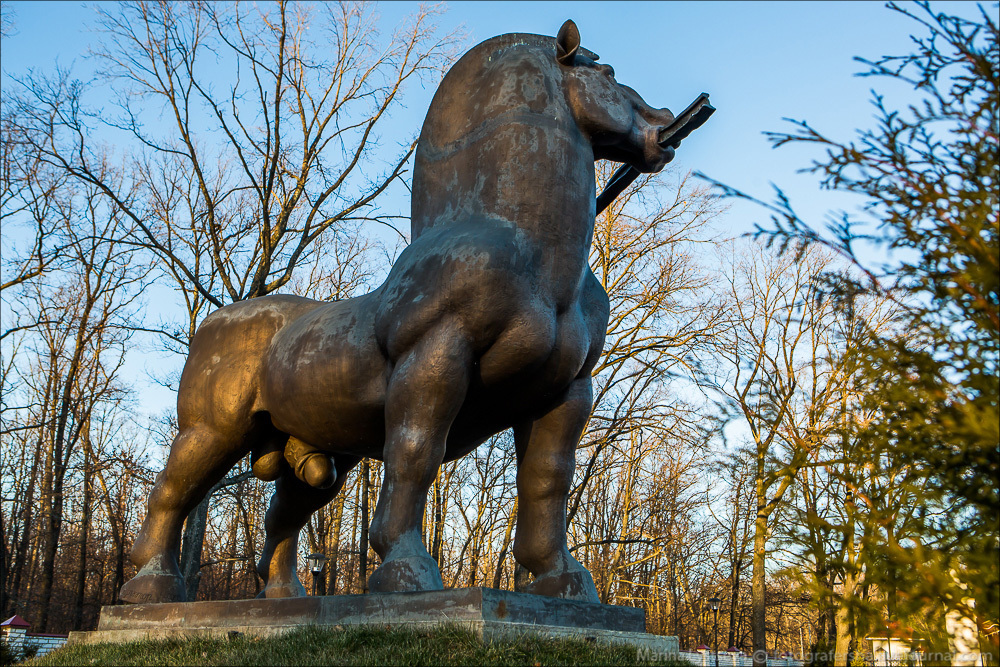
515, 126
616, 120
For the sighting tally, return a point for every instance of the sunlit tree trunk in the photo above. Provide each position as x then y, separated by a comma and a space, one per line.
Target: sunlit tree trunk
363, 548
333, 571
88, 496
192, 544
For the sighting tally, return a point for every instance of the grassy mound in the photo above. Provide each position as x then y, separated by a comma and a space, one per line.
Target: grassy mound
351, 646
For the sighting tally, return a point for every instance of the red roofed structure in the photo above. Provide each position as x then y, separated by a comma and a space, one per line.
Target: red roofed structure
15, 621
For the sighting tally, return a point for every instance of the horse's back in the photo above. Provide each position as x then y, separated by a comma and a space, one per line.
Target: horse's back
220, 384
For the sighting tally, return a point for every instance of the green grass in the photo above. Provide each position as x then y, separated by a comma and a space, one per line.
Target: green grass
350, 646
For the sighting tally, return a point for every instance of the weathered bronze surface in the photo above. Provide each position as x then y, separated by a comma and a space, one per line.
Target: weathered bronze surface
490, 319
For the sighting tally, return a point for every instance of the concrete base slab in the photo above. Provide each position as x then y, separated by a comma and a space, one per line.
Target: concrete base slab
487, 612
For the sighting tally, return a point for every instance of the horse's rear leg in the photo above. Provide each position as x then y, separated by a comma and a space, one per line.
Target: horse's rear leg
292, 504
424, 395
199, 457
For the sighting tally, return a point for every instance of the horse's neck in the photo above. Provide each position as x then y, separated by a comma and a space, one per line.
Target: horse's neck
537, 176
500, 147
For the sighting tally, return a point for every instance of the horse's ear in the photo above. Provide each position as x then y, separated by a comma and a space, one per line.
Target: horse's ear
567, 42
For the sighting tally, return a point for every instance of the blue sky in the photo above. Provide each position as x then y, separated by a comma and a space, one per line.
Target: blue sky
760, 61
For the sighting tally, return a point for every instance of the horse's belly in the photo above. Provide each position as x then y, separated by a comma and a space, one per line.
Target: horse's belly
325, 380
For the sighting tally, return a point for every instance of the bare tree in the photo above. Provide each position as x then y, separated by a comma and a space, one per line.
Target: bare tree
765, 378
660, 324
735, 521
234, 186
82, 327
245, 177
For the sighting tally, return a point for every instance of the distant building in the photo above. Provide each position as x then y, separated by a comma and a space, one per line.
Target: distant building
14, 632
963, 639
897, 651
902, 648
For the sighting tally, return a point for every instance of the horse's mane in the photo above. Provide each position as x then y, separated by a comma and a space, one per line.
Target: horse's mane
501, 43
509, 84
466, 85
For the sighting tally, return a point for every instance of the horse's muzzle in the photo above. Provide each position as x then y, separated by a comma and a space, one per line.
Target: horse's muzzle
657, 155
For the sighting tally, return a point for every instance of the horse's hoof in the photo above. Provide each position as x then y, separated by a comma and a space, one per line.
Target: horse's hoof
153, 589
573, 583
406, 574
292, 590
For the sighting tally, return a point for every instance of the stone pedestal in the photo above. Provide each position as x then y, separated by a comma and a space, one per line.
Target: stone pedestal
487, 612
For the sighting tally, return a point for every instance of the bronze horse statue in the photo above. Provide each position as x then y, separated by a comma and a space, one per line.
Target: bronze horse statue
490, 319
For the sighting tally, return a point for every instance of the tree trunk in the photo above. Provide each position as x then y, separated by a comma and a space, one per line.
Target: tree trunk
506, 544
116, 520
227, 587
20, 555
191, 547
51, 531
119, 566
338, 517
317, 529
248, 534
758, 603
4, 597
438, 520
81, 573
61, 449
363, 548
845, 624
845, 616
733, 601
675, 603
474, 564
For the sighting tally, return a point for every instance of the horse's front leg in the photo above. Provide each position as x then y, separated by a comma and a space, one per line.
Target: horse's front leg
425, 392
546, 452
